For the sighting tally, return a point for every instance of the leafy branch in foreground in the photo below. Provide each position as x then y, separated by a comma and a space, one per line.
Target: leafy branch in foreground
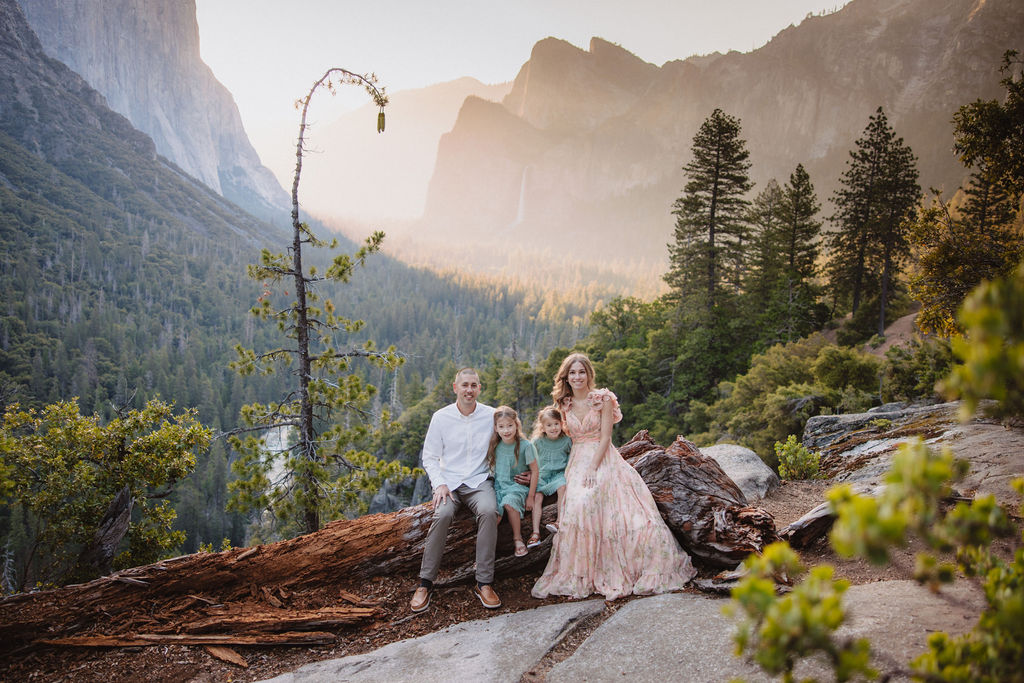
992, 350
313, 465
777, 631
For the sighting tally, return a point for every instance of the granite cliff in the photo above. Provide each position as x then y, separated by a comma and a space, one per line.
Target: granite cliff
593, 141
154, 76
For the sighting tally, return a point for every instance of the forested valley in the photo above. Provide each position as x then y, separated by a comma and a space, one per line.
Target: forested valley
124, 283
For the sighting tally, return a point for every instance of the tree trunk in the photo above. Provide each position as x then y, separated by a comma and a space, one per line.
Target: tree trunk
884, 295
99, 555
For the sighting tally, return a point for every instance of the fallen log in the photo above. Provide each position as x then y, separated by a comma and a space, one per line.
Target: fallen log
703, 507
810, 527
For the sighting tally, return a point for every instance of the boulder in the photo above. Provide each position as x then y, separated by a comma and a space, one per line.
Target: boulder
421, 490
746, 468
386, 499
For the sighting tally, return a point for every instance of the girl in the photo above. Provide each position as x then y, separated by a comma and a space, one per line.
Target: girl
509, 454
611, 539
552, 446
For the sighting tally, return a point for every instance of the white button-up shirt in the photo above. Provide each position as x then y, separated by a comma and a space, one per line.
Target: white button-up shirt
455, 448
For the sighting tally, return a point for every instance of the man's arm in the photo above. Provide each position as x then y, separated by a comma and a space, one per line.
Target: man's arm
433, 446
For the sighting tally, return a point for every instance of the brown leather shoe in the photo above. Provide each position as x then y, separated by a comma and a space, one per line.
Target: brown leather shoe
420, 599
487, 596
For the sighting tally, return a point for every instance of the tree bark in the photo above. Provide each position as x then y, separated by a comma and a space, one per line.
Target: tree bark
112, 528
705, 509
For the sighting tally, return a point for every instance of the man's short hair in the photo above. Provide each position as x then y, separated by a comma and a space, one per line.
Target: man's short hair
465, 371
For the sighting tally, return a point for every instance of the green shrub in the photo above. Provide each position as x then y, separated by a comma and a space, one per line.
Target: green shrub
911, 371
795, 460
840, 368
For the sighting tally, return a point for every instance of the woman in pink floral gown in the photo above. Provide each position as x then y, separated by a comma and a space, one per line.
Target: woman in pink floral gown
611, 538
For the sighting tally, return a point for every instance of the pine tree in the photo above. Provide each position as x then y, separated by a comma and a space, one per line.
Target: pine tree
323, 469
877, 195
990, 135
779, 287
800, 236
963, 243
765, 260
710, 216
959, 247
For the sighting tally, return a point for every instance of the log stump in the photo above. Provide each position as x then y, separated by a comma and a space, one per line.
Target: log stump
706, 511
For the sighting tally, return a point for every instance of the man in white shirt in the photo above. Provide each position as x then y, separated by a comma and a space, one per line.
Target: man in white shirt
455, 459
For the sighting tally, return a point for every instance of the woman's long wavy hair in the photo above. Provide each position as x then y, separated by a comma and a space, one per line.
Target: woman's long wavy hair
561, 389
510, 413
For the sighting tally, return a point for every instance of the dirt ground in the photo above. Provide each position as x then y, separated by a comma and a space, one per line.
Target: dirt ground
158, 664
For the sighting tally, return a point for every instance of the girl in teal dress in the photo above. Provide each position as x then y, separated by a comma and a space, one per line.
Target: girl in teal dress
553, 447
509, 454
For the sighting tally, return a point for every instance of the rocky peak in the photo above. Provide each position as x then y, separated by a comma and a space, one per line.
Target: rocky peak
143, 56
29, 112
619, 130
563, 87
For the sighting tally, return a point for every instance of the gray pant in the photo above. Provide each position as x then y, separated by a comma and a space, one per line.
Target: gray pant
484, 506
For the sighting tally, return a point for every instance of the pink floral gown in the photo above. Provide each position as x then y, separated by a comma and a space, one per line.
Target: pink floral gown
611, 538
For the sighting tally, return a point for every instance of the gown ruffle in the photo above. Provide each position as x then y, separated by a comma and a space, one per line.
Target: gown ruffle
611, 538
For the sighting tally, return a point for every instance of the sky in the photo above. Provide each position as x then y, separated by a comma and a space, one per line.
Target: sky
269, 52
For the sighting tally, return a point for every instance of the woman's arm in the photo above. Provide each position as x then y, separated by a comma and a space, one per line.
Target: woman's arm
607, 421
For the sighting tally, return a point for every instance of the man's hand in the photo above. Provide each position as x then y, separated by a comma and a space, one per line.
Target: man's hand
523, 478
440, 493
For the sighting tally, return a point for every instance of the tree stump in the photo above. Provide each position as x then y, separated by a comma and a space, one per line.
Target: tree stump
700, 503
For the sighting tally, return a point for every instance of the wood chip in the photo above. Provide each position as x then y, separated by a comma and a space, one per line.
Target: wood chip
129, 580
269, 597
251, 551
355, 599
226, 654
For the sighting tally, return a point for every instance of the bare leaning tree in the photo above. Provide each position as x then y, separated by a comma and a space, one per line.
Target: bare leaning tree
320, 469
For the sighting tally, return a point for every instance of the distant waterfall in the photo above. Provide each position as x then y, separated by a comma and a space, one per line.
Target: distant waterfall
521, 209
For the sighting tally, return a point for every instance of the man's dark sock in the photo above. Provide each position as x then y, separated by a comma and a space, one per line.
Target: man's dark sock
481, 585
427, 583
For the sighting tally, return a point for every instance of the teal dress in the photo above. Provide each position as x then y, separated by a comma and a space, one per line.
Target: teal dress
506, 490
552, 457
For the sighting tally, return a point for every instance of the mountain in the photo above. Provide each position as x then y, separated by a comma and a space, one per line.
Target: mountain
357, 173
121, 272
143, 56
585, 152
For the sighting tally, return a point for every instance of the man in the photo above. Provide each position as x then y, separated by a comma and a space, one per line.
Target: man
455, 459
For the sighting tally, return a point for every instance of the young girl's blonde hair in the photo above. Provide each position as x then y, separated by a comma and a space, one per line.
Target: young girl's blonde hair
510, 413
551, 412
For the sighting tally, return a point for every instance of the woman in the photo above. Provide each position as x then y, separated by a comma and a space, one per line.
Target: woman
611, 538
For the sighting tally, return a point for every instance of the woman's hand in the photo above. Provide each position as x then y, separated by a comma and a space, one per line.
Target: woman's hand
522, 478
590, 479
